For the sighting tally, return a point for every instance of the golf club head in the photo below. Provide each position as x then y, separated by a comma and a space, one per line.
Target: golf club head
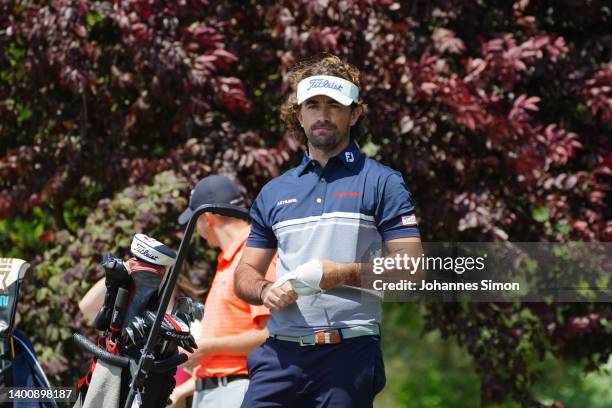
150, 250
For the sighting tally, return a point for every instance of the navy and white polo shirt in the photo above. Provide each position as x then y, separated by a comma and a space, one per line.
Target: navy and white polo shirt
339, 213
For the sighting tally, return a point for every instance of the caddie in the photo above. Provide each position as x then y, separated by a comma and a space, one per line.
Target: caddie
230, 327
323, 217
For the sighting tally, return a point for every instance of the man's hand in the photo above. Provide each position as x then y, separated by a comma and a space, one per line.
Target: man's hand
306, 278
180, 394
277, 297
193, 359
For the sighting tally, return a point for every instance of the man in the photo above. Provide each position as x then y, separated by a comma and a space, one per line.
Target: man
231, 328
323, 217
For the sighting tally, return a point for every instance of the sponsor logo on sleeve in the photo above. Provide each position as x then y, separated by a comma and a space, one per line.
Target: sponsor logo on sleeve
409, 220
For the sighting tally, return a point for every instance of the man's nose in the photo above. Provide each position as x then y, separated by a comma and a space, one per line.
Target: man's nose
324, 113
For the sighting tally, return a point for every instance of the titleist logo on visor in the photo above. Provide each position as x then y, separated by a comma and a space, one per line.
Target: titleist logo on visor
340, 89
323, 83
142, 250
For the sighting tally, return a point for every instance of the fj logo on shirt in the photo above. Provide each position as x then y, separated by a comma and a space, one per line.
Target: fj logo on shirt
349, 157
408, 220
289, 201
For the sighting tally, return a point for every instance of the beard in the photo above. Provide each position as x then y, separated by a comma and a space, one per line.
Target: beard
327, 138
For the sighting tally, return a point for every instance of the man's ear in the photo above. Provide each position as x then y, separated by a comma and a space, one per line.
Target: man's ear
356, 114
298, 114
210, 219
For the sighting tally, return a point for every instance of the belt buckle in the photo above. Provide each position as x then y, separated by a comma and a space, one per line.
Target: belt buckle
303, 343
327, 336
214, 382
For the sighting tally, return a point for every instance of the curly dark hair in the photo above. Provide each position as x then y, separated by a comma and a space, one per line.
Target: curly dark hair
322, 64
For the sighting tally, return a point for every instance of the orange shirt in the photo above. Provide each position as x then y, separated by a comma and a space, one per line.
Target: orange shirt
227, 315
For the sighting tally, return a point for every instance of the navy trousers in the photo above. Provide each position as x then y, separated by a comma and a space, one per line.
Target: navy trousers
285, 374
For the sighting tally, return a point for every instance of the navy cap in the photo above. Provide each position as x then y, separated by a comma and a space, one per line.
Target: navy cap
213, 189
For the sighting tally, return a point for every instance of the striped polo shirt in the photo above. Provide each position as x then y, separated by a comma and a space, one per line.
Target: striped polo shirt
340, 212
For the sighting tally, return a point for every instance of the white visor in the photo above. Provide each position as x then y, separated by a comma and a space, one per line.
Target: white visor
151, 250
336, 88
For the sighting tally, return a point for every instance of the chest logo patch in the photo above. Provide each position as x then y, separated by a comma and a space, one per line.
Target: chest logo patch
349, 194
288, 201
349, 157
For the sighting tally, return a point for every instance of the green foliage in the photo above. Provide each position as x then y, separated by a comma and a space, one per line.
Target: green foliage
540, 214
21, 235
64, 273
422, 370
426, 371
501, 130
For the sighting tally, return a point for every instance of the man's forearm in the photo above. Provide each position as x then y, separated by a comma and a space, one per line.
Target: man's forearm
336, 274
352, 274
249, 284
183, 391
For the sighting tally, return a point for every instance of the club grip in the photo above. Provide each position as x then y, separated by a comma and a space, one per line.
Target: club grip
118, 315
103, 355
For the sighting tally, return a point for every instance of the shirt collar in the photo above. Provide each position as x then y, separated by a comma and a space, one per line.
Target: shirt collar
349, 157
301, 168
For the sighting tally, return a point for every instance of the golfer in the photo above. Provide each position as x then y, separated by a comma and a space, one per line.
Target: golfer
322, 217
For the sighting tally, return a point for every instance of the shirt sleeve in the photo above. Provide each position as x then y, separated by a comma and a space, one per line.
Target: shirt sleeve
261, 235
395, 216
261, 312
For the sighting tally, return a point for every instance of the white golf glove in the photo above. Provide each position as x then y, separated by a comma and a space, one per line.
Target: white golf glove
306, 278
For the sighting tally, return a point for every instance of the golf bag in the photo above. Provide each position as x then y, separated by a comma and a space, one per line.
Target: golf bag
124, 322
146, 363
19, 367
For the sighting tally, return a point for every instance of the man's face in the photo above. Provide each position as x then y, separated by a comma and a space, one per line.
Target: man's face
326, 122
204, 229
